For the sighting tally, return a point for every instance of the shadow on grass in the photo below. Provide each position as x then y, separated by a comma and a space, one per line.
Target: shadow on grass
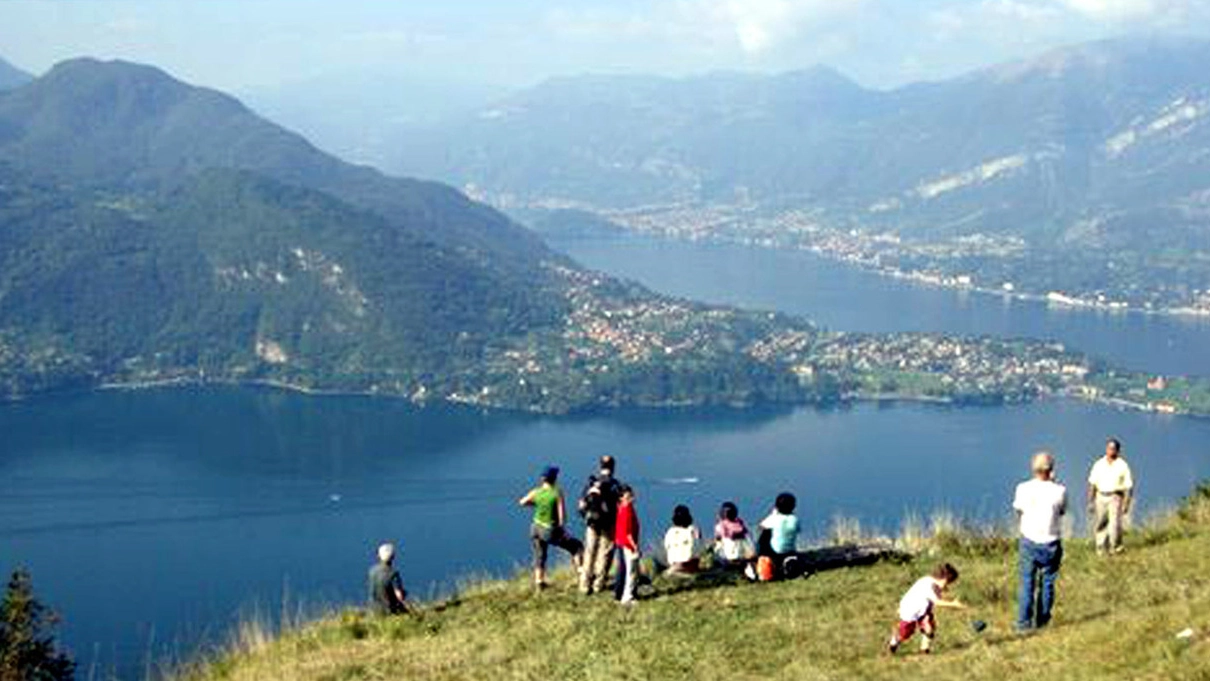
814, 561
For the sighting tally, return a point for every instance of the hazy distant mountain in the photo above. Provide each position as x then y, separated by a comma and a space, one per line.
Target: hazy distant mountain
11, 76
1094, 143
624, 140
360, 116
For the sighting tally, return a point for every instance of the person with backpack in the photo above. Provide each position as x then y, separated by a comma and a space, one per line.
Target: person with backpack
598, 507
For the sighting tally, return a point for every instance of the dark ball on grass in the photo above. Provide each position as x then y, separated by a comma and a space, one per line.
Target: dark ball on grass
978, 626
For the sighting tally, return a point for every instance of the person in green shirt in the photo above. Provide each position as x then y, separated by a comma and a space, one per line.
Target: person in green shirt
548, 527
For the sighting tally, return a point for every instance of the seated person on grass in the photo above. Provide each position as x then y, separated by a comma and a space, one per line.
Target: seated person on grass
782, 526
733, 546
680, 542
386, 593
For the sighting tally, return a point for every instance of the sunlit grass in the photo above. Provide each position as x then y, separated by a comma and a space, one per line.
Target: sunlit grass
1116, 618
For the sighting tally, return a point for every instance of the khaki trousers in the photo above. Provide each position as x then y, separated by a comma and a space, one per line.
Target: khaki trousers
598, 556
1107, 522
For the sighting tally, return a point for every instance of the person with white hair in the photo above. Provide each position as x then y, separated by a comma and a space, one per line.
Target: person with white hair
1040, 503
386, 593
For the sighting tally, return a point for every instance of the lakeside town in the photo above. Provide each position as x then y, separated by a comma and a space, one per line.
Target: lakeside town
1001, 265
620, 345
618, 333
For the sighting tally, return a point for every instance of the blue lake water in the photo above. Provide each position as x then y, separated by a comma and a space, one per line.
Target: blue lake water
153, 520
846, 298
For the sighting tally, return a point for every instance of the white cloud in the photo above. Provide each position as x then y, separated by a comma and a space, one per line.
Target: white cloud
762, 25
1113, 9
1182, 14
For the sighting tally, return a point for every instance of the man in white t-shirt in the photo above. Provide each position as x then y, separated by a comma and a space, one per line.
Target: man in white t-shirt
1110, 495
1040, 503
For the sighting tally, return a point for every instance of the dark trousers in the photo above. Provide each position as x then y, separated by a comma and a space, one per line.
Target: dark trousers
1039, 565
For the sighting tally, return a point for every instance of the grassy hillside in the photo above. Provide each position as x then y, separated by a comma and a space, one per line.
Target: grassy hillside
1115, 618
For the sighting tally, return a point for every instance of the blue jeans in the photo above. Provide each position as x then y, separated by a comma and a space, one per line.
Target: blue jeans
1039, 570
626, 580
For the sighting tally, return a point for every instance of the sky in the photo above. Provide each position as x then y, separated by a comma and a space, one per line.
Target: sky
246, 45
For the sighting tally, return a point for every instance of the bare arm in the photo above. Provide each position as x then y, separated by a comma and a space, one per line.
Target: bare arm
949, 603
562, 512
527, 500
1092, 494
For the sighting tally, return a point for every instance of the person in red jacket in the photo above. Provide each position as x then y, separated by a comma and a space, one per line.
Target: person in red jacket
626, 536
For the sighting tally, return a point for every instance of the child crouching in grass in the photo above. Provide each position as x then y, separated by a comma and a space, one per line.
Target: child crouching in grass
917, 605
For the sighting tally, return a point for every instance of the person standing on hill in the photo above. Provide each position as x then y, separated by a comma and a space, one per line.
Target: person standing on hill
1110, 495
626, 535
548, 527
1040, 504
598, 507
386, 593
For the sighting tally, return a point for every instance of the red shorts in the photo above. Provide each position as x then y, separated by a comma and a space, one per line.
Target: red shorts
926, 624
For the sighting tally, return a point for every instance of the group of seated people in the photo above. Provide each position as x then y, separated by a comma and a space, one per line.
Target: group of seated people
770, 554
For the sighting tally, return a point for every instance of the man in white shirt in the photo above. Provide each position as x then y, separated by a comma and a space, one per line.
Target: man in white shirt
1110, 495
1040, 503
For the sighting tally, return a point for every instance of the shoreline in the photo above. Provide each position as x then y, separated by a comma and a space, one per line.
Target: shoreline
842, 400
1052, 299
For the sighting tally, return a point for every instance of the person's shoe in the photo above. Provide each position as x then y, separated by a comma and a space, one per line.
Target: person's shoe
1118, 549
892, 647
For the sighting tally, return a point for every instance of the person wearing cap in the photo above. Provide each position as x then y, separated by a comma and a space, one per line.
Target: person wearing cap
1040, 503
598, 507
548, 527
386, 593
1110, 488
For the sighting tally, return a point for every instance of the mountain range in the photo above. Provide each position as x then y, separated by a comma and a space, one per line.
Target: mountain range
150, 224
1102, 147
155, 231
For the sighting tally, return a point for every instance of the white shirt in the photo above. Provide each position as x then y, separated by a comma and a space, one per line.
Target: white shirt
919, 599
1042, 504
680, 543
1108, 478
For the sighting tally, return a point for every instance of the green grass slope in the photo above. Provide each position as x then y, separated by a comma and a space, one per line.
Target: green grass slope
1115, 618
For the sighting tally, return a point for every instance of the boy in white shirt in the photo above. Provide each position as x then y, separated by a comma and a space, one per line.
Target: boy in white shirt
917, 606
1040, 504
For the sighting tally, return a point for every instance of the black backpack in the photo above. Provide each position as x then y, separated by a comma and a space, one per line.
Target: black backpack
596, 505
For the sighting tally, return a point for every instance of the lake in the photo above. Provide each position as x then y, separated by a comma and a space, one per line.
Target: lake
847, 298
153, 520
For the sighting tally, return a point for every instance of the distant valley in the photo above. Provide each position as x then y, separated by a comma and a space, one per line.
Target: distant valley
1081, 176
153, 232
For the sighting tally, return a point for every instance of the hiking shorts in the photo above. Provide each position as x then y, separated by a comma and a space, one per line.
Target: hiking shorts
927, 626
544, 537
